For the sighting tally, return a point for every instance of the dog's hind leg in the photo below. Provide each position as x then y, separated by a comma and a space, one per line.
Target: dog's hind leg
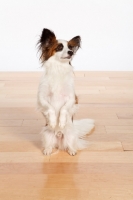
49, 140
69, 142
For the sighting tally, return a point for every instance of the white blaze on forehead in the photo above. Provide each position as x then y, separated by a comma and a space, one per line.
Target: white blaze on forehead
64, 42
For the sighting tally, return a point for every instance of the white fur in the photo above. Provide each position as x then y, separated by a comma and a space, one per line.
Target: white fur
56, 100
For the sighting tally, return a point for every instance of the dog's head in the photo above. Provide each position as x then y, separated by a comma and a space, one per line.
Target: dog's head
62, 50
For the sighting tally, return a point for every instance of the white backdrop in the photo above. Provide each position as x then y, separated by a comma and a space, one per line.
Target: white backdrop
105, 26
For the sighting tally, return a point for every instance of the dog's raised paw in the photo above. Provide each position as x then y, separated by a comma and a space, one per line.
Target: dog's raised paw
62, 125
52, 124
52, 119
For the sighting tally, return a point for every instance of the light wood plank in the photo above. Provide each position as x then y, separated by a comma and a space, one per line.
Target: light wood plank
17, 103
105, 108
19, 137
119, 129
22, 157
93, 78
2, 96
11, 122
21, 96
18, 113
79, 74
40, 123
105, 146
117, 169
120, 133
109, 73
127, 146
86, 91
125, 115
107, 98
121, 91
92, 115
20, 130
36, 146
17, 91
20, 76
121, 78
78, 194
114, 122
2, 83
94, 157
107, 83
21, 84
63, 181
20, 146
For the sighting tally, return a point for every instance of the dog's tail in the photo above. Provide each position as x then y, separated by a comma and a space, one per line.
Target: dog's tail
81, 129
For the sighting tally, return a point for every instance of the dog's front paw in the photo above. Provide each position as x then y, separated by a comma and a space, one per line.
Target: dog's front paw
62, 119
47, 151
71, 152
52, 119
62, 124
52, 124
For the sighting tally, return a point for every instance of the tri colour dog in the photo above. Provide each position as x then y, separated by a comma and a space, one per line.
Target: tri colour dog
56, 96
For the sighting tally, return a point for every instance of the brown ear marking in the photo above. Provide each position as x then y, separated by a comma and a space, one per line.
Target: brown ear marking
46, 34
47, 44
75, 42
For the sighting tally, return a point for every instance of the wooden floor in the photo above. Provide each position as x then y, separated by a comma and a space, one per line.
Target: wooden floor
102, 172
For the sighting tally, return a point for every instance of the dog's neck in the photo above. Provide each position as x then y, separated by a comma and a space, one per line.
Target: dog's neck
55, 67
58, 74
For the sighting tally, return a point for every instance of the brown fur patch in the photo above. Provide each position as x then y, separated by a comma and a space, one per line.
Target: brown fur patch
74, 42
49, 51
47, 44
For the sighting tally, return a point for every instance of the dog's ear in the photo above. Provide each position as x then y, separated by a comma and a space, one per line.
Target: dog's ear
47, 38
74, 43
46, 42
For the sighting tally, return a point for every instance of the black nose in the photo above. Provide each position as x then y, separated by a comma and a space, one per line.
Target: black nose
70, 53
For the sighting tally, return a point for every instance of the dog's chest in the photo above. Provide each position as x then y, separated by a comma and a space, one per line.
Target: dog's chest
60, 83
59, 90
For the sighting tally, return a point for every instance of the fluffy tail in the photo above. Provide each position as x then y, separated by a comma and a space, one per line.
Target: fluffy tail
81, 129
72, 139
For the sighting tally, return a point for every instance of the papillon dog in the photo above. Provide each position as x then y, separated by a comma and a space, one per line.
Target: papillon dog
56, 96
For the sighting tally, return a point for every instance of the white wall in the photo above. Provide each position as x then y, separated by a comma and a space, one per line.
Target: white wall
106, 28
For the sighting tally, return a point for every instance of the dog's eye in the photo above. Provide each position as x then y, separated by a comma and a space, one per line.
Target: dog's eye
70, 47
59, 47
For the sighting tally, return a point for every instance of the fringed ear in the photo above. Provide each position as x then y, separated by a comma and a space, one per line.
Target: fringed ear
74, 43
46, 42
